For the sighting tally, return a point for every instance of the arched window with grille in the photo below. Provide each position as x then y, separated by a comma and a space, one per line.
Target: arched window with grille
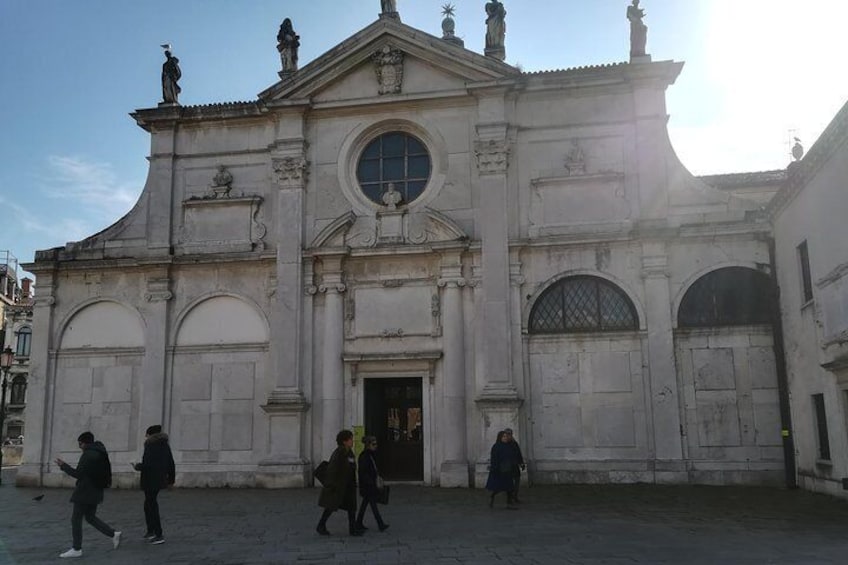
18, 392
582, 304
732, 296
24, 342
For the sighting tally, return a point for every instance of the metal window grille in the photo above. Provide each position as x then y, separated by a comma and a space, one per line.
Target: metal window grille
394, 158
733, 296
582, 304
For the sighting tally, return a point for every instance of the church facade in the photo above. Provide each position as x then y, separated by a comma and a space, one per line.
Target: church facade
414, 238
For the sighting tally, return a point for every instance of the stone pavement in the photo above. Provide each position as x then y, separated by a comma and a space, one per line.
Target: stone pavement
613, 525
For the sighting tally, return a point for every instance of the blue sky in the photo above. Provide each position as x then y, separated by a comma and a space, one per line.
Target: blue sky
72, 161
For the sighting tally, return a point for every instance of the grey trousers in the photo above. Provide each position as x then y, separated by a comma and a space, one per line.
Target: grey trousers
89, 512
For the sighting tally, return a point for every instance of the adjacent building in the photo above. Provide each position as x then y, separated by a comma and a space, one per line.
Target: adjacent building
16, 316
812, 263
409, 236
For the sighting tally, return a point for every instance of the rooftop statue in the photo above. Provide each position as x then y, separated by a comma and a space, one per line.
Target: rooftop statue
170, 76
495, 29
287, 44
638, 30
389, 8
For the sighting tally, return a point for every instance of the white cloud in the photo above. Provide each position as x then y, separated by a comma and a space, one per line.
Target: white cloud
57, 231
90, 184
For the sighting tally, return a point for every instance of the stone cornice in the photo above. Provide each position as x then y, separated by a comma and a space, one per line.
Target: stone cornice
150, 119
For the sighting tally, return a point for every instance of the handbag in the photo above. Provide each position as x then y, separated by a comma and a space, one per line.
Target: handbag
383, 494
382, 488
320, 472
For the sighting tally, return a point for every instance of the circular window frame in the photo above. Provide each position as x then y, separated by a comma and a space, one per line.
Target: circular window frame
356, 142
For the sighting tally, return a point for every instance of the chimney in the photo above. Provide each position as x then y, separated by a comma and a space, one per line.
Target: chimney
25, 288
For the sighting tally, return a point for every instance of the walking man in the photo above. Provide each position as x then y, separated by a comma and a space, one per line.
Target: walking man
518, 463
93, 474
157, 472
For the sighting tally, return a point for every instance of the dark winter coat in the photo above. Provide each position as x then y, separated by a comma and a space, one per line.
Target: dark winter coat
501, 465
89, 470
340, 489
368, 475
157, 464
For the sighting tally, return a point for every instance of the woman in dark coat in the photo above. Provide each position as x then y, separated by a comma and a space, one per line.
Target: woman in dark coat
157, 472
339, 490
501, 465
368, 488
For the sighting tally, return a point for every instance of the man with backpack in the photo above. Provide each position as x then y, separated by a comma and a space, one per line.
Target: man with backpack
157, 472
93, 474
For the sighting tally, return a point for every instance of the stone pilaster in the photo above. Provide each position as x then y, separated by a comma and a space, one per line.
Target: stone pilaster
39, 417
492, 150
454, 469
287, 463
155, 309
160, 183
333, 288
665, 402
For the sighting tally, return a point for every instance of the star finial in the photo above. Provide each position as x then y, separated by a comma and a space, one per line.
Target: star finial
448, 10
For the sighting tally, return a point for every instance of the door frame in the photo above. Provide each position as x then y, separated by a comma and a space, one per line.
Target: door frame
355, 407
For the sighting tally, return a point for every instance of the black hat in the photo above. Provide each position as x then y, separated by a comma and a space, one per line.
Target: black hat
154, 430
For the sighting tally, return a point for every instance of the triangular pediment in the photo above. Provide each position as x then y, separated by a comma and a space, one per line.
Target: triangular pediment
430, 64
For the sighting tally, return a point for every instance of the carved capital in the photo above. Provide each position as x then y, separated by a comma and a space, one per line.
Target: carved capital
492, 156
44, 301
310, 289
158, 290
333, 287
291, 172
655, 267
454, 282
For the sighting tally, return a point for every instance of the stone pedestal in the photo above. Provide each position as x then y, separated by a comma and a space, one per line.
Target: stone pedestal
499, 411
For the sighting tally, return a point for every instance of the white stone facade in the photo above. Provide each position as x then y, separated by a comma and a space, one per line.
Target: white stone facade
248, 313
811, 210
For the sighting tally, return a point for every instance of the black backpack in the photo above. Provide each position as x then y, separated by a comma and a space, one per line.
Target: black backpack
103, 479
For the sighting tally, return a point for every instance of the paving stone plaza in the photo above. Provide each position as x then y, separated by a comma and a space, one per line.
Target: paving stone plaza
566, 525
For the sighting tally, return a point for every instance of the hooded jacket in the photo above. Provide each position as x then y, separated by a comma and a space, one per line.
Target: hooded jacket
90, 467
157, 464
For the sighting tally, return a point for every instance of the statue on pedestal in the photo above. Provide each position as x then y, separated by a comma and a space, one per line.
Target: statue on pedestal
287, 43
638, 30
495, 29
170, 76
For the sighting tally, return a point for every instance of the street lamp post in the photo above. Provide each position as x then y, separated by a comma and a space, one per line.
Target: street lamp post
6, 359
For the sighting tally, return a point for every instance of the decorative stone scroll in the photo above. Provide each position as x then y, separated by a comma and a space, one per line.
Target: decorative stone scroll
291, 172
388, 65
492, 156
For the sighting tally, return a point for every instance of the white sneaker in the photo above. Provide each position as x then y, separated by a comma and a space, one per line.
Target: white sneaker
71, 553
116, 540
